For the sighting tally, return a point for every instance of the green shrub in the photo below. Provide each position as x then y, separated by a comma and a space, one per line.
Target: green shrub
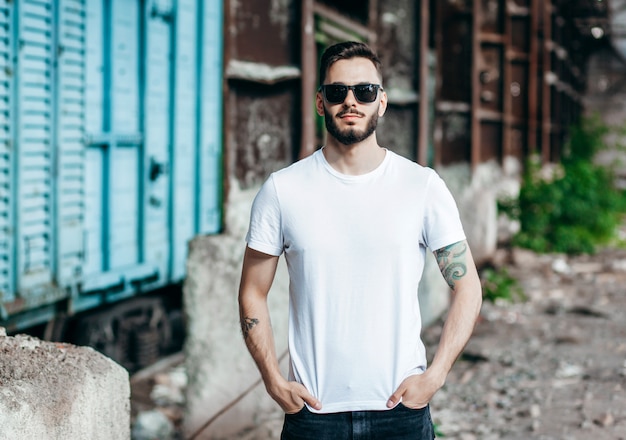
437, 431
575, 208
499, 285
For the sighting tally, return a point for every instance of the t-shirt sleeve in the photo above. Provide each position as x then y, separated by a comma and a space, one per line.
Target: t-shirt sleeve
442, 223
265, 229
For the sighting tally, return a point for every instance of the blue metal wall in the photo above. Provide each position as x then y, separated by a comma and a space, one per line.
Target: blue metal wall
6, 208
110, 148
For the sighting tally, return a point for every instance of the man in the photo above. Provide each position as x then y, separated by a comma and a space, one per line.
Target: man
354, 221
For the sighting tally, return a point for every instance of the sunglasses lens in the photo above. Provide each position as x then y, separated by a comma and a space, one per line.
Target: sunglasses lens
366, 93
335, 93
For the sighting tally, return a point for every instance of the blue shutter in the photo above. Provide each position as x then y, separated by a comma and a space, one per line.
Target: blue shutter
94, 127
6, 190
157, 131
113, 158
94, 66
124, 164
115, 174
210, 170
34, 145
185, 135
70, 140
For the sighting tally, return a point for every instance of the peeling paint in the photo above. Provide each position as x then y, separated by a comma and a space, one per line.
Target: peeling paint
261, 72
456, 127
265, 31
279, 14
399, 96
397, 131
264, 136
398, 43
389, 18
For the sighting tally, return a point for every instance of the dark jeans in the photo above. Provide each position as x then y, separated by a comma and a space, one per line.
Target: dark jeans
400, 423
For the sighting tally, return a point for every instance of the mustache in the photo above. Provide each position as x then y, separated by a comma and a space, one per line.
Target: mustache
348, 111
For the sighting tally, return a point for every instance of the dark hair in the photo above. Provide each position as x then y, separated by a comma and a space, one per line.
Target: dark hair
346, 51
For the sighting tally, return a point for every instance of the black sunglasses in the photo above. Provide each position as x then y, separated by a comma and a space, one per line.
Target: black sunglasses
336, 93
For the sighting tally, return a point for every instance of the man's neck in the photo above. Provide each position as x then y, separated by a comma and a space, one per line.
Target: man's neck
355, 159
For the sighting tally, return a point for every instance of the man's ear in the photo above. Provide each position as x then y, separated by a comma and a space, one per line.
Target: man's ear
382, 105
319, 103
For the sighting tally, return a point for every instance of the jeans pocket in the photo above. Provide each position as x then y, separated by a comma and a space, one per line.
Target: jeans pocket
300, 412
408, 408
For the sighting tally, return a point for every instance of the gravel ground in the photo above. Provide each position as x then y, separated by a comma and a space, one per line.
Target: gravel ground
551, 367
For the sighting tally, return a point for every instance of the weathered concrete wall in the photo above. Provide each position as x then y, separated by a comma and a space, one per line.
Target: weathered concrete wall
219, 368
477, 194
60, 391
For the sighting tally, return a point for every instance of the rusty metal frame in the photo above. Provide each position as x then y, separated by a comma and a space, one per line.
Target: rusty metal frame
366, 32
308, 60
438, 123
422, 109
475, 85
437, 128
507, 60
228, 102
372, 24
533, 71
546, 125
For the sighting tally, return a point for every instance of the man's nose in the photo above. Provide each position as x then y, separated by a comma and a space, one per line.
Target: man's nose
350, 98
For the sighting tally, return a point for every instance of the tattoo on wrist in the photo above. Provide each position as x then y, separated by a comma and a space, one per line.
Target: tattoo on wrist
247, 324
451, 261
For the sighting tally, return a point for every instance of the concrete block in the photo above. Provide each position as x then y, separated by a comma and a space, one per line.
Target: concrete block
60, 391
219, 368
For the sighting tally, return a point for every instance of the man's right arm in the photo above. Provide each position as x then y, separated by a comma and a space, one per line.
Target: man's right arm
256, 279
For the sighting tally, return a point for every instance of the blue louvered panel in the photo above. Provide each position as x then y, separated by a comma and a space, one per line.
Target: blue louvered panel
6, 216
94, 66
34, 139
70, 139
124, 162
185, 139
123, 211
157, 135
94, 215
94, 124
210, 212
125, 59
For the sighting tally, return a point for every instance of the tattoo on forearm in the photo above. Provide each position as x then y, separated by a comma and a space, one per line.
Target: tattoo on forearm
451, 261
247, 324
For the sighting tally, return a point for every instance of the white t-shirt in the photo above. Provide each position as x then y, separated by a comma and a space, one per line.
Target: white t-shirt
354, 247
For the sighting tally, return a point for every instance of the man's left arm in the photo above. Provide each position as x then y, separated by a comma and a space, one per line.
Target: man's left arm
459, 271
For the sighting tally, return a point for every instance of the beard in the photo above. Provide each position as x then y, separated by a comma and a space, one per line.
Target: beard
349, 135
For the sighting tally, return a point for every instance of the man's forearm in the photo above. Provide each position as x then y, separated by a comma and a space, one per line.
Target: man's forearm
459, 271
259, 338
256, 279
457, 330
